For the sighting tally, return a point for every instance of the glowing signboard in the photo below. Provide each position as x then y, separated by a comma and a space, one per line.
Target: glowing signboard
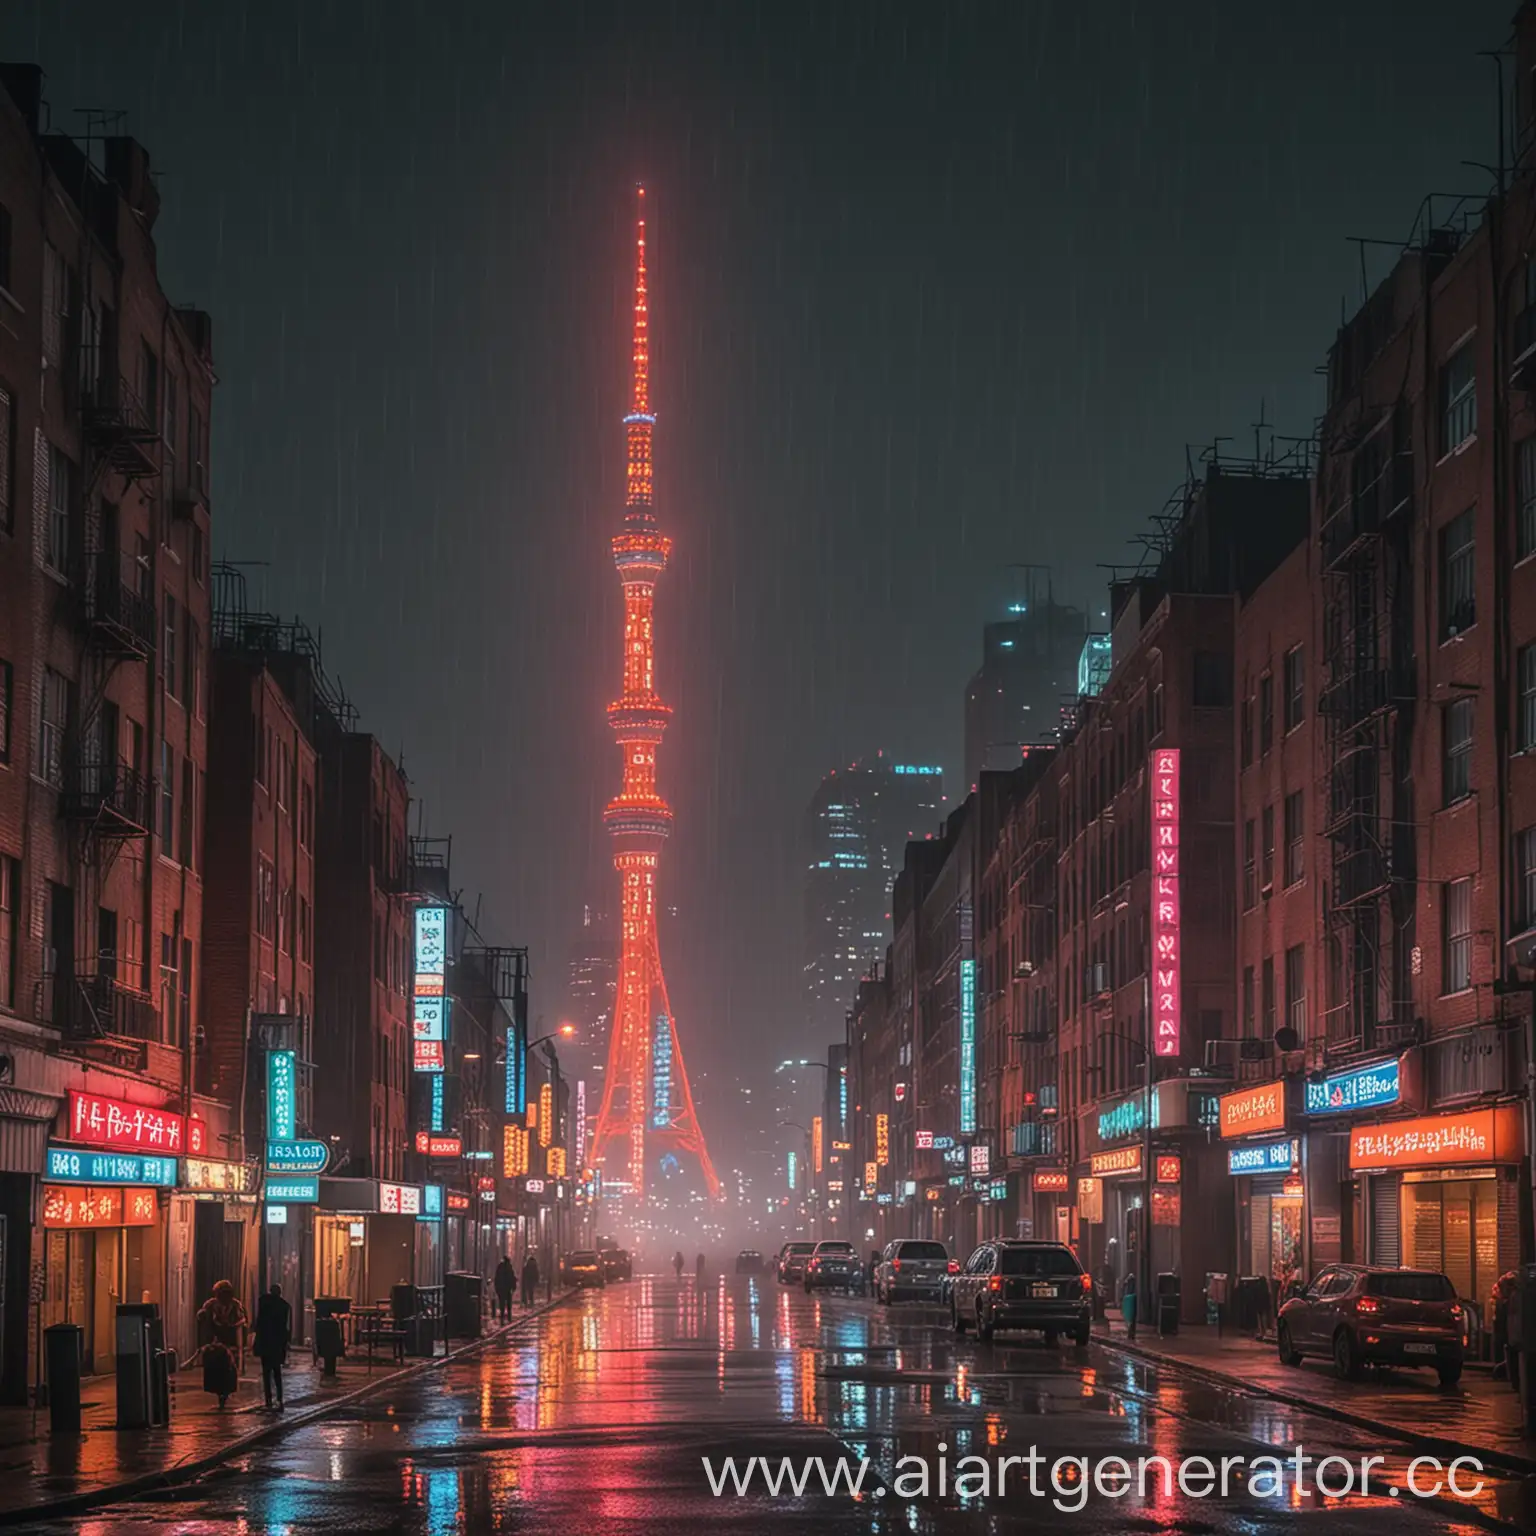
661, 1072
1051, 1181
438, 1110
1369, 1087
400, 1199
517, 1070
1167, 937
429, 1018
1167, 1168
457, 1201
816, 1143
514, 1151
546, 1114
277, 1215
216, 1175
429, 1001
1127, 1118
282, 1095
922, 1140
882, 1139
431, 1203
1120, 1160
81, 1208
431, 950
789, 1169
921, 770
1260, 1108
967, 1047
297, 1156
581, 1121
428, 1056
871, 1176
1440, 1141
66, 1165
554, 1162
99, 1121
292, 1191
439, 1146
981, 1159
534, 1186
1262, 1157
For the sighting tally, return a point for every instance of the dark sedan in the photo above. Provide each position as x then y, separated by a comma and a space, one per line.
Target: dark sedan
616, 1262
1023, 1285
793, 1257
1356, 1316
834, 1266
749, 1262
583, 1268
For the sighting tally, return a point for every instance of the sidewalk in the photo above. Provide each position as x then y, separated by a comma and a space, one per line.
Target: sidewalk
45, 1474
1479, 1416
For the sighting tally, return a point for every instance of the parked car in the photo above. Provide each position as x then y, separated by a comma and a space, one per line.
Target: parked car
583, 1268
617, 1264
749, 1262
912, 1266
793, 1257
1358, 1315
1007, 1284
833, 1266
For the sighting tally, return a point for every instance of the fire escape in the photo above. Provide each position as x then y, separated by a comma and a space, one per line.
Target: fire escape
1366, 709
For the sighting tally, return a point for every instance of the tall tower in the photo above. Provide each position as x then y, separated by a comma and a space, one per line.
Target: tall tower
647, 1102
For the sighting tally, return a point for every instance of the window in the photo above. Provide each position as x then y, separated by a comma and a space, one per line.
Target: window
1269, 996
7, 683
199, 553
7, 460
1295, 842
1250, 868
258, 734
56, 543
52, 723
282, 775
170, 413
1458, 399
1525, 725
1295, 688
285, 921
1458, 572
55, 304
171, 631
1525, 496
10, 928
265, 903
1213, 680
188, 810
1296, 989
167, 799
1266, 713
193, 657
1456, 750
1268, 872
1456, 920
1248, 1000
1524, 891
149, 382
1245, 734
306, 813
303, 930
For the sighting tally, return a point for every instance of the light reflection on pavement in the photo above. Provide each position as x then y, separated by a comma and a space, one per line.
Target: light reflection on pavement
598, 1422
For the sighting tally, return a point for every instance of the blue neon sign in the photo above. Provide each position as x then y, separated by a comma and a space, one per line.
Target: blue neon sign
282, 1095
789, 1168
517, 1071
439, 1092
1262, 1157
967, 1047
913, 768
293, 1191
661, 1073
1123, 1119
431, 1203
1363, 1088
297, 1156
66, 1166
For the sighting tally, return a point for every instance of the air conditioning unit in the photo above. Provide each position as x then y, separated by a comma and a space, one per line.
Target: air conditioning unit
1023, 970
1098, 980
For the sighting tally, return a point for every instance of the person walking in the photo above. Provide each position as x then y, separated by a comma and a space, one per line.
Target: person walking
698, 1268
505, 1282
677, 1263
530, 1280
270, 1340
226, 1320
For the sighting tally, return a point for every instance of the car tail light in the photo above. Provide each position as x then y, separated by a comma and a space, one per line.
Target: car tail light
1367, 1305
1456, 1311
896, 1265
1087, 1281
995, 1283
953, 1267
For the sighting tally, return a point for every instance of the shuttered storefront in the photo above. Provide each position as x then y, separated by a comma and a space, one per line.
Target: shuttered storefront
1386, 1234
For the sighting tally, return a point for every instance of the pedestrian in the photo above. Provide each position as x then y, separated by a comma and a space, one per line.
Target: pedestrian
530, 1280
226, 1319
872, 1271
677, 1263
698, 1267
270, 1339
1128, 1305
505, 1282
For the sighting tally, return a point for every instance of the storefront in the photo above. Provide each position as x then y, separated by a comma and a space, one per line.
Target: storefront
1442, 1192
1263, 1163
365, 1237
1048, 1206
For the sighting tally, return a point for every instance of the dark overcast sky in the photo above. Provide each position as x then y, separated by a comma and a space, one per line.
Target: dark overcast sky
936, 287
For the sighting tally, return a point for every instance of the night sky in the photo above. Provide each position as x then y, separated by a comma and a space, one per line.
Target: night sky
935, 288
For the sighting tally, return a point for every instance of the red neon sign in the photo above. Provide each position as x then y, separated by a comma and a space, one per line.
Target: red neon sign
1167, 944
429, 1056
1168, 1168
456, 1201
102, 1122
69, 1208
439, 1146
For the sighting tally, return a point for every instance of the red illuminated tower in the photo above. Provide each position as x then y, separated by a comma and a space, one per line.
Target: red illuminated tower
647, 1105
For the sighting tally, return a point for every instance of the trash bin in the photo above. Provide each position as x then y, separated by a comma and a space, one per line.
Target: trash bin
63, 1345
162, 1371
329, 1345
136, 1327
461, 1305
1167, 1314
1215, 1299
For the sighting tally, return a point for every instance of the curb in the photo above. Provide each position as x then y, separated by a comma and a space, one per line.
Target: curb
1503, 1461
186, 1471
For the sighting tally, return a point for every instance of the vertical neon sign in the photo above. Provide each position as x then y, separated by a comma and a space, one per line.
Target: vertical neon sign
816, 1146
882, 1139
282, 1095
789, 1166
437, 1102
517, 1072
581, 1123
661, 1072
1167, 945
429, 1002
967, 1047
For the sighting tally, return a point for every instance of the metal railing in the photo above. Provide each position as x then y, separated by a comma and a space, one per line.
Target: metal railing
112, 791
95, 1006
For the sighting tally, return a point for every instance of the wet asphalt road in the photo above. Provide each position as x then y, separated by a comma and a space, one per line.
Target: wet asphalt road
598, 1423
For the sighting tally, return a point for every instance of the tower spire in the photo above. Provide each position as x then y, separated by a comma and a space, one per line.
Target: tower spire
638, 424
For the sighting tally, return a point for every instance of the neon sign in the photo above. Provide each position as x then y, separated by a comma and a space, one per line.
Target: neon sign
100, 1121
1364, 1088
514, 1151
439, 1092
431, 950
789, 1168
661, 1072
66, 1208
439, 1146
282, 1095
981, 1159
400, 1199
517, 1071
297, 1156
1167, 939
816, 1143
546, 1114
293, 1191
67, 1166
1260, 1108
882, 1139
1123, 1119
967, 1047
429, 1056
429, 1018
431, 1203
1262, 1157
581, 1121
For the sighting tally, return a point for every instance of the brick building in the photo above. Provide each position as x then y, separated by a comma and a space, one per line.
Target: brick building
105, 392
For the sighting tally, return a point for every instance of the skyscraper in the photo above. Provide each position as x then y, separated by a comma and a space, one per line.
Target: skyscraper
647, 1102
1029, 668
857, 827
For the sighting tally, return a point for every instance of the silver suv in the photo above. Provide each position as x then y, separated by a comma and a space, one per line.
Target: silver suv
912, 1266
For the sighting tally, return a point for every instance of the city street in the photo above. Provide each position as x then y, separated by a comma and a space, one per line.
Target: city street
601, 1422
